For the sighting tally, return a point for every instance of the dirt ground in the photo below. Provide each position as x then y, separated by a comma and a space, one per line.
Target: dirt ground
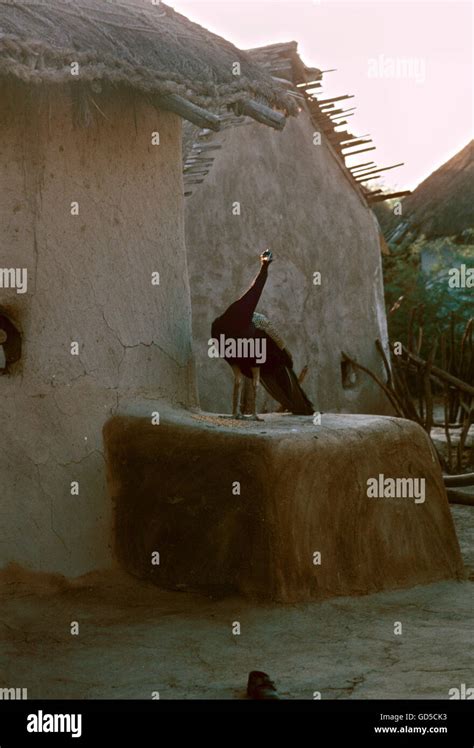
135, 639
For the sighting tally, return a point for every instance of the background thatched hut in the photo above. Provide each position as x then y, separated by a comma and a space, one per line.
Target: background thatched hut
296, 196
91, 206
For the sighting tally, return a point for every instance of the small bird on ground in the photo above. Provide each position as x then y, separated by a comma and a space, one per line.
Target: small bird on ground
258, 352
259, 686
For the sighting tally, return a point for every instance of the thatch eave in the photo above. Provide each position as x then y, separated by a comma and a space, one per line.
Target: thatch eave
146, 48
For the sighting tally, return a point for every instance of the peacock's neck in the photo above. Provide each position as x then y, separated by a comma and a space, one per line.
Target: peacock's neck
249, 300
239, 314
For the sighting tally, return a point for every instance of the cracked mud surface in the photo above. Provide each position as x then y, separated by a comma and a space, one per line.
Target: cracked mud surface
135, 639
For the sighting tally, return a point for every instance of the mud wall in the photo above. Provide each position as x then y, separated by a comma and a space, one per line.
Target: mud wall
296, 199
90, 283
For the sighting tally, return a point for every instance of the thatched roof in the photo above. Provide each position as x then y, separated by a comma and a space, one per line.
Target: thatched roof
283, 61
305, 84
441, 205
146, 47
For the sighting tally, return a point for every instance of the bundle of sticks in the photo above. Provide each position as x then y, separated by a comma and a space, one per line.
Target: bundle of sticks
420, 387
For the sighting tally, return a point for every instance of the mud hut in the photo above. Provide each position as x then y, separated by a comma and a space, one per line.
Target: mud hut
94, 298
295, 194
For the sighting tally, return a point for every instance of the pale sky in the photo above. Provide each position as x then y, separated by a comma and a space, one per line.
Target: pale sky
423, 116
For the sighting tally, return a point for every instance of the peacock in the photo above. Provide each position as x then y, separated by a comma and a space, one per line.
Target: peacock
246, 334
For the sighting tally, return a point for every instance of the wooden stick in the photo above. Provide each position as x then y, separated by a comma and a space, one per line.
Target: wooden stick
187, 110
343, 113
443, 375
335, 98
466, 343
332, 112
356, 141
388, 372
411, 322
362, 150
462, 438
387, 391
384, 168
367, 135
446, 424
428, 390
379, 198
360, 166
263, 114
459, 497
457, 481
206, 146
309, 84
421, 313
368, 179
196, 172
401, 382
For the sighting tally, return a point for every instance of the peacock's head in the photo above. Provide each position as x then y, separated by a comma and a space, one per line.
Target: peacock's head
266, 257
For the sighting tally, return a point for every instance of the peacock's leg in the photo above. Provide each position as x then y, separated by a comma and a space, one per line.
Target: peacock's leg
255, 383
236, 412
